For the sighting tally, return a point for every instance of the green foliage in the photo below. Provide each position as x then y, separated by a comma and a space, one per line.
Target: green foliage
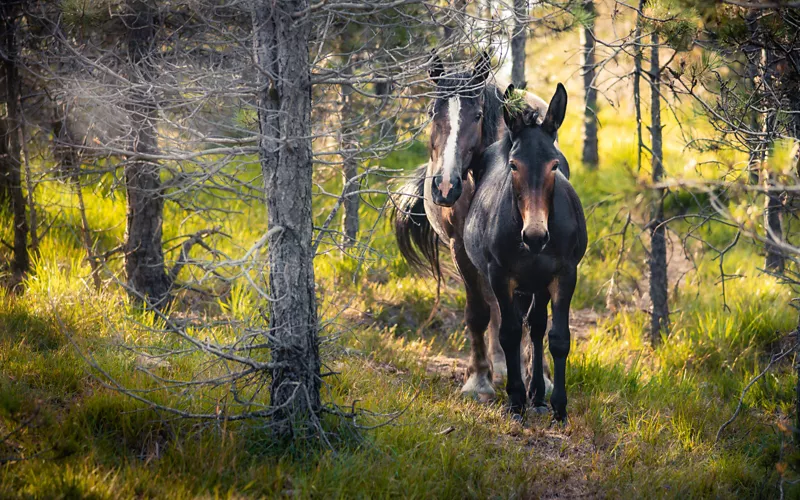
676, 24
581, 15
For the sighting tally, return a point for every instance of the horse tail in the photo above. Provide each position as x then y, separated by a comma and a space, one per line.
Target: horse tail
416, 238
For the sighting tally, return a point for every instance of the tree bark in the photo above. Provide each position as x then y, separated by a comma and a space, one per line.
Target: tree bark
796, 430
753, 53
658, 246
11, 163
773, 212
590, 155
348, 144
144, 255
637, 78
281, 50
518, 39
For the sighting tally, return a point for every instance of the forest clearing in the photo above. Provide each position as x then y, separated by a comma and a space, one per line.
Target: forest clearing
206, 290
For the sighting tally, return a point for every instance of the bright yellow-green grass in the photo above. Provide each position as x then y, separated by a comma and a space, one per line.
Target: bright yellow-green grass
643, 422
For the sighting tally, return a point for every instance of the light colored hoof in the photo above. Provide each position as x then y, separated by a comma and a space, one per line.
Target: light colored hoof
478, 387
499, 371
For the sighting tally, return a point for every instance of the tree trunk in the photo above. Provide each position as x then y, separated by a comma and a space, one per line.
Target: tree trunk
10, 165
590, 156
518, 39
637, 79
753, 53
658, 246
281, 50
796, 430
773, 213
144, 255
349, 144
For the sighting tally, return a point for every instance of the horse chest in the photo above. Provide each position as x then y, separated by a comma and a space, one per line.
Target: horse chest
532, 273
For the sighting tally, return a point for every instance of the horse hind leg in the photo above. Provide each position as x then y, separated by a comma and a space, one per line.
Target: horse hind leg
498, 357
479, 379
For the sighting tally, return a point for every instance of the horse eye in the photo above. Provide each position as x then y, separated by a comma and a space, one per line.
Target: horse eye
512, 166
555, 165
478, 116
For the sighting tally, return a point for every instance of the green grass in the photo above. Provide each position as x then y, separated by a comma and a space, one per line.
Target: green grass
643, 421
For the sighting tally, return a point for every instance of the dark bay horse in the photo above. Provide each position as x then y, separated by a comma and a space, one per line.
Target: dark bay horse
466, 119
526, 233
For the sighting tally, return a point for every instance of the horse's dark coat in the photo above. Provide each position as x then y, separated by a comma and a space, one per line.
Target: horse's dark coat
521, 262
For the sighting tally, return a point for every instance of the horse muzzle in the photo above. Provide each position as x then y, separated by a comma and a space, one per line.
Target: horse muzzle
445, 193
535, 242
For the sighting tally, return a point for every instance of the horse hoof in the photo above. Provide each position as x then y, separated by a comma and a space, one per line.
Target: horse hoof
478, 387
559, 422
516, 417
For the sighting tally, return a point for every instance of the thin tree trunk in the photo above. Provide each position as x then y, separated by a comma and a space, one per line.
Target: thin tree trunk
637, 79
773, 221
144, 255
23, 139
590, 155
518, 39
658, 246
773, 213
796, 431
10, 167
281, 50
753, 53
349, 145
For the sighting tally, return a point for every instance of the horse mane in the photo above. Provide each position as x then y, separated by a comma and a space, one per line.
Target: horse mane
492, 114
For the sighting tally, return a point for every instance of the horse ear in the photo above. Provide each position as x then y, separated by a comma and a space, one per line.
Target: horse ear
436, 69
482, 68
556, 111
514, 121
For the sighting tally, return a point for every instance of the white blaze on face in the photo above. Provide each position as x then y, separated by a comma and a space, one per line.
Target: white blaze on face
449, 158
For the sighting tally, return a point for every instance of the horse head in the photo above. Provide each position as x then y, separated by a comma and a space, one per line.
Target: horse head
457, 115
533, 160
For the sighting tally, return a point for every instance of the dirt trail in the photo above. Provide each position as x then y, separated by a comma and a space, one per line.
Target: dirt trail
551, 447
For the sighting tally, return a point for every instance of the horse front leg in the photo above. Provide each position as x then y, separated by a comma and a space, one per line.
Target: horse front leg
476, 315
510, 336
498, 357
561, 290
